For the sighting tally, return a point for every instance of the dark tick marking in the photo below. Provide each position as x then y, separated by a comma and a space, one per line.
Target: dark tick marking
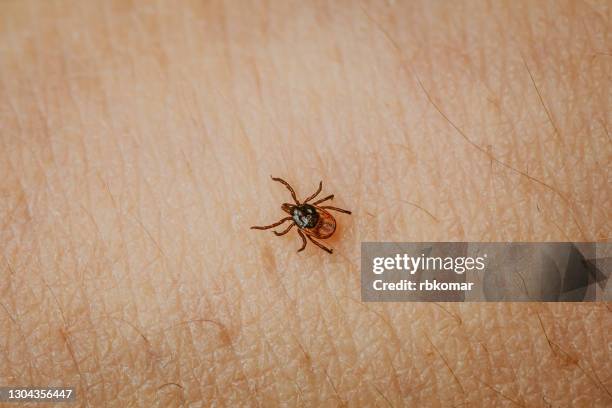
312, 220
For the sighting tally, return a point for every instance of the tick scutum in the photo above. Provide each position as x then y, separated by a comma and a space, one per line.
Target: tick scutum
305, 216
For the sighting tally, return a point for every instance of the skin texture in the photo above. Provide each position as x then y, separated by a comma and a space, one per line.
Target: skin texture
136, 144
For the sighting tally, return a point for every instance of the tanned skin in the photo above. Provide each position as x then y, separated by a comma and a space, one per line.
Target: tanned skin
136, 143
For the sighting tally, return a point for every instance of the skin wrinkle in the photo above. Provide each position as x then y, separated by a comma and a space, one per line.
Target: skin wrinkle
299, 390
503, 363
280, 363
90, 322
244, 373
337, 395
557, 351
333, 354
395, 376
396, 341
265, 338
128, 277
65, 335
369, 364
446, 364
353, 350
31, 362
253, 391
290, 302
514, 402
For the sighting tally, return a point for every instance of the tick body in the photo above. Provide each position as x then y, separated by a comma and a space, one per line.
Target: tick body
312, 220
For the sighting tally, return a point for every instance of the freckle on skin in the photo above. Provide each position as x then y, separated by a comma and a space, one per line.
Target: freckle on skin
225, 337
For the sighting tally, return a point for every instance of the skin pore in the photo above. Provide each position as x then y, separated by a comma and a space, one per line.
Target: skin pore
136, 144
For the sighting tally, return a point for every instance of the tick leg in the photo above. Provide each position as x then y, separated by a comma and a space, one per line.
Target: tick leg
326, 207
316, 193
280, 180
323, 247
303, 241
278, 234
329, 197
276, 224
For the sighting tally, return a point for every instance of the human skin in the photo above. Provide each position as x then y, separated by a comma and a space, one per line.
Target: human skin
136, 147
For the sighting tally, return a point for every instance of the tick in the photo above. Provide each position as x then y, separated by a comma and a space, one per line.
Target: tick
313, 220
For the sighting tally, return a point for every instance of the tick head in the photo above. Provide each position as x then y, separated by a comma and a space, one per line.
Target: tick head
288, 208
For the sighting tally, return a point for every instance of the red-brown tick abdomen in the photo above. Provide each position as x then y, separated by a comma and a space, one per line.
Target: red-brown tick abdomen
325, 226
